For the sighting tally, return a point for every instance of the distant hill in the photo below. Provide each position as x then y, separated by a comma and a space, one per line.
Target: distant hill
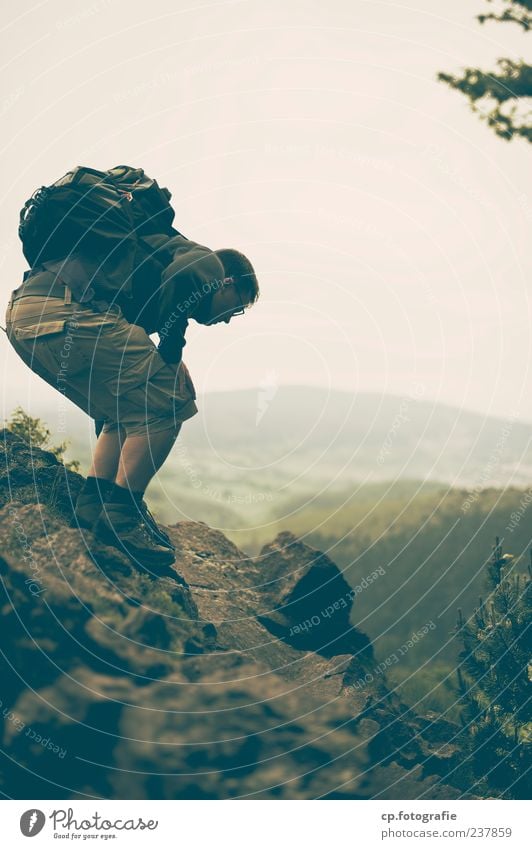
318, 432
360, 436
431, 547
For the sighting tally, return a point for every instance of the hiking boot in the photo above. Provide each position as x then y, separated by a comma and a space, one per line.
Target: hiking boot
160, 536
89, 504
120, 525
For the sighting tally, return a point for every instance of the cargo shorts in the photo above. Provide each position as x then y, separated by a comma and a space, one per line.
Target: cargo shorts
108, 367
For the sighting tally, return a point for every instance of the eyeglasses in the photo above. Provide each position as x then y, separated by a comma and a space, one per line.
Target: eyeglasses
241, 309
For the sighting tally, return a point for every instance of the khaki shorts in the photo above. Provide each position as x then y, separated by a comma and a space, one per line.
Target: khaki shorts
108, 367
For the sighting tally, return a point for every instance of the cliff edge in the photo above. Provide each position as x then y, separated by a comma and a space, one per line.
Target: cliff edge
240, 678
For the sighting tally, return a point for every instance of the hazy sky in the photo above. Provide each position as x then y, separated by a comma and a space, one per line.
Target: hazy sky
389, 228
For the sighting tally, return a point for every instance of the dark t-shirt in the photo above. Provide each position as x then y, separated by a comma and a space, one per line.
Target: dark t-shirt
174, 281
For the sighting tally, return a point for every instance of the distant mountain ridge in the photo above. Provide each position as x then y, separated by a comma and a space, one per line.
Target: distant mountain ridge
335, 436
381, 436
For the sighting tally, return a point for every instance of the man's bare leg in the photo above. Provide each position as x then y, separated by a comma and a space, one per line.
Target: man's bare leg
100, 478
125, 520
107, 455
142, 456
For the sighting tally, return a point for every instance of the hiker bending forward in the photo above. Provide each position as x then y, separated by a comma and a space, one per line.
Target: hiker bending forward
96, 350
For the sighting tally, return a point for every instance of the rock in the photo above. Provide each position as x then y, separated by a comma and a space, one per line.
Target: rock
116, 685
310, 598
30, 475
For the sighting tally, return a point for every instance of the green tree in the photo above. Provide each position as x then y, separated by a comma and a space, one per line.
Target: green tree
495, 687
498, 97
36, 434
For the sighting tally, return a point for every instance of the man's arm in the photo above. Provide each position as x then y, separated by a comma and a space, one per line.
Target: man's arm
187, 283
172, 339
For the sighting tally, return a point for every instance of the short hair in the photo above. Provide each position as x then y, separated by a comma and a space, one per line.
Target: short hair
238, 266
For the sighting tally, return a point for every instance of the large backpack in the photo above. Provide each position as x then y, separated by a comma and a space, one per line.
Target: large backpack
100, 215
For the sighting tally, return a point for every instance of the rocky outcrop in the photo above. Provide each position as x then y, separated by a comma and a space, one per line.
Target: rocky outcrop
241, 678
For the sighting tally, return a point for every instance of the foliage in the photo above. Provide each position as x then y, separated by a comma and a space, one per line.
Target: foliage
516, 11
495, 687
498, 97
36, 434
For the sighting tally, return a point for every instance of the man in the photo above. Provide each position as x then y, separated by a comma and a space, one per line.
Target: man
96, 350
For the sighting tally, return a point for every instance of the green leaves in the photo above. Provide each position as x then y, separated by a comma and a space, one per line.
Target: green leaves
500, 97
495, 689
36, 434
516, 11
